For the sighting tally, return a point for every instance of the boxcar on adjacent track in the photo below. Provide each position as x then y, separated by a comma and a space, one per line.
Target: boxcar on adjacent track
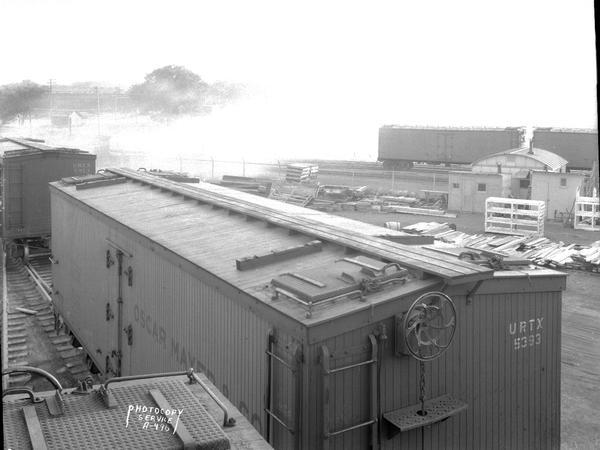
27, 166
578, 146
321, 335
400, 146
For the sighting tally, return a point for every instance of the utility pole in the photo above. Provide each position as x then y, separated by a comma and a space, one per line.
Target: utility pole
50, 82
98, 107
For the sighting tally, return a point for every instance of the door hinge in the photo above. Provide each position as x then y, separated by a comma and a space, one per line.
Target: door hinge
108, 366
129, 332
129, 273
109, 259
109, 313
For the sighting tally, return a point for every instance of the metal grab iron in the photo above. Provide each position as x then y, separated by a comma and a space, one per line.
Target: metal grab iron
29, 369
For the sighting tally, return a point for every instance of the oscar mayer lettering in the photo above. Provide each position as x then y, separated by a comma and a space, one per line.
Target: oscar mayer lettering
182, 356
157, 332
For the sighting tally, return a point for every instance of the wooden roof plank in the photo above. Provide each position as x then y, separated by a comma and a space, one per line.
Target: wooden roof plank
417, 258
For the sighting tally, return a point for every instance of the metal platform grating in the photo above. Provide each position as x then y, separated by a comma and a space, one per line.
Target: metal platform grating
87, 423
437, 409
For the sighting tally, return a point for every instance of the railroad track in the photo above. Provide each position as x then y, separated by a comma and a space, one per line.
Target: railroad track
374, 167
412, 174
31, 337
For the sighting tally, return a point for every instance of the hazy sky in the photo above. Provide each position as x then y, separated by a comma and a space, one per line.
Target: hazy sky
330, 66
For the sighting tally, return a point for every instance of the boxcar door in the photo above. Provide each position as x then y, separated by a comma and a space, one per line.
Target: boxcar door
118, 262
13, 200
109, 361
128, 313
445, 144
468, 188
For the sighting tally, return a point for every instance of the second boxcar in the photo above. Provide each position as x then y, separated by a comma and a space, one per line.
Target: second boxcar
578, 146
400, 146
26, 168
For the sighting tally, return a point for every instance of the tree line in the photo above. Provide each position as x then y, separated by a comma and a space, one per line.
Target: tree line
167, 91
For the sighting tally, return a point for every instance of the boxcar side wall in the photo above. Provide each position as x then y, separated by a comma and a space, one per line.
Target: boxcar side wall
26, 196
579, 149
504, 363
443, 146
176, 320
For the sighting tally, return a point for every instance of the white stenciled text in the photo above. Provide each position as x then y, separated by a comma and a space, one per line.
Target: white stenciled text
527, 333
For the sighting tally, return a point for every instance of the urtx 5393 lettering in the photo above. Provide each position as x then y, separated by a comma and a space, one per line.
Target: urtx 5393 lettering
528, 333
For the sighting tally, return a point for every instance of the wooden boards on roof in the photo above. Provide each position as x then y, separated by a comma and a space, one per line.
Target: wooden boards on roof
293, 218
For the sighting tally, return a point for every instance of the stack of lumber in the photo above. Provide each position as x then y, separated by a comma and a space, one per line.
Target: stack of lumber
539, 250
411, 205
400, 200
321, 204
298, 172
299, 199
257, 186
180, 177
364, 205
417, 211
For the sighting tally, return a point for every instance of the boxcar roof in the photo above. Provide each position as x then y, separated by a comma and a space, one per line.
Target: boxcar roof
567, 130
13, 147
212, 227
434, 128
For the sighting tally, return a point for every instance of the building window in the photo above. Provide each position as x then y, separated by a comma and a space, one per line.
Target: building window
481, 187
524, 183
563, 182
455, 185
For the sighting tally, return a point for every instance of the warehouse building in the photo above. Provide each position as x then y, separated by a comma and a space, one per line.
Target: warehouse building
519, 163
557, 189
322, 336
467, 191
502, 174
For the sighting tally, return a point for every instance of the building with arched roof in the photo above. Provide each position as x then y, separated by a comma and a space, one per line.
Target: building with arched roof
516, 161
519, 163
502, 174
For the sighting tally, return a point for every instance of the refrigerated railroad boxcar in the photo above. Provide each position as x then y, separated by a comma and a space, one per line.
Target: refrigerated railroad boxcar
578, 146
399, 146
26, 168
323, 337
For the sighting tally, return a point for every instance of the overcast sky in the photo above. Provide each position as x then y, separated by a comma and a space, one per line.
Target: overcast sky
329, 65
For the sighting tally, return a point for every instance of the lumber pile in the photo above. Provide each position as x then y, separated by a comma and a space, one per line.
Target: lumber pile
180, 177
245, 184
539, 250
299, 172
296, 195
258, 186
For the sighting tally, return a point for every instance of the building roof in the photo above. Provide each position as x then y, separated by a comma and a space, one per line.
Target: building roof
553, 161
567, 130
10, 147
216, 228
